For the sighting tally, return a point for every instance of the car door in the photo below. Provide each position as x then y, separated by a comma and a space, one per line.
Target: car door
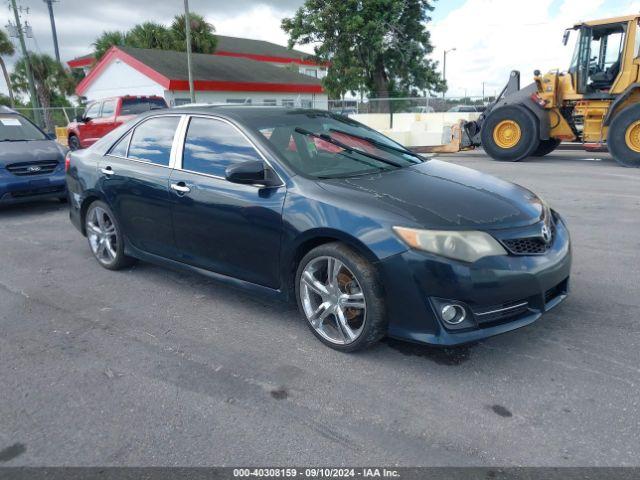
106, 122
89, 129
135, 182
221, 226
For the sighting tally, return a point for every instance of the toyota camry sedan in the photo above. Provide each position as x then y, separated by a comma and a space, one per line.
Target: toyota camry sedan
367, 237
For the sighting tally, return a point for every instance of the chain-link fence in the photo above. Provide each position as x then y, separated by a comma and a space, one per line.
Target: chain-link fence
50, 118
411, 105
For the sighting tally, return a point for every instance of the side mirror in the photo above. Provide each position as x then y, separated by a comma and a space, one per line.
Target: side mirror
80, 118
51, 136
253, 172
565, 37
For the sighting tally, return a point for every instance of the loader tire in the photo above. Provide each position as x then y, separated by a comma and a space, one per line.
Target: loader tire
546, 147
510, 133
624, 137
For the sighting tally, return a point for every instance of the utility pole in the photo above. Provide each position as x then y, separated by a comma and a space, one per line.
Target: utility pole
27, 62
53, 28
444, 67
187, 30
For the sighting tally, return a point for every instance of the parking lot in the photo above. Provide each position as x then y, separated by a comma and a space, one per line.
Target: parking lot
153, 367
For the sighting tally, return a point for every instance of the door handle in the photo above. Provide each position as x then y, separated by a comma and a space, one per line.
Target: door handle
107, 171
180, 187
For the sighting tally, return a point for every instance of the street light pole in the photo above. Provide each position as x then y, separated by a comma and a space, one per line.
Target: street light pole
444, 67
187, 29
53, 28
27, 63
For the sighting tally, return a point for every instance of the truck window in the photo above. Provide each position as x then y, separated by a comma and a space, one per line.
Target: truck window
135, 106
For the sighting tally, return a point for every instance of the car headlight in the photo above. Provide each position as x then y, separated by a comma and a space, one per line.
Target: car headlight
467, 246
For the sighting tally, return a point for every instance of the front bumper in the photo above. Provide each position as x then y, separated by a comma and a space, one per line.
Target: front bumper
501, 293
19, 189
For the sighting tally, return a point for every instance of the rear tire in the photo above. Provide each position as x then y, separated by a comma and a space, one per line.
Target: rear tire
340, 296
74, 143
105, 237
623, 139
546, 147
510, 133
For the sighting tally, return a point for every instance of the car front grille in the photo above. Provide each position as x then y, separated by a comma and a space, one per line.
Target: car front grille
24, 169
530, 245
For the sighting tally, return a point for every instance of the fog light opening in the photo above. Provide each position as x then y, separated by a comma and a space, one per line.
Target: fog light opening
453, 314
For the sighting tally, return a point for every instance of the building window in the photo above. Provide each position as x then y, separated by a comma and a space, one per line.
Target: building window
306, 104
181, 101
287, 102
239, 100
312, 72
271, 102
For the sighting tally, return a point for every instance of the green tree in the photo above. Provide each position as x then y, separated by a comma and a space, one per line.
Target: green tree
107, 40
155, 35
53, 83
379, 46
203, 39
6, 48
149, 35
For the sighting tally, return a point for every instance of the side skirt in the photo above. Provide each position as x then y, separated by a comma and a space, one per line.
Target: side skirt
134, 252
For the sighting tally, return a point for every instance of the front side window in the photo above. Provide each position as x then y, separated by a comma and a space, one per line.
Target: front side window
212, 145
151, 141
14, 128
325, 145
93, 111
108, 108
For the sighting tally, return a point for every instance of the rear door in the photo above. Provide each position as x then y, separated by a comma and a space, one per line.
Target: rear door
221, 226
135, 181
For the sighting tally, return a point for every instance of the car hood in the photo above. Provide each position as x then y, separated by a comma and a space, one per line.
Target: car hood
438, 194
32, 151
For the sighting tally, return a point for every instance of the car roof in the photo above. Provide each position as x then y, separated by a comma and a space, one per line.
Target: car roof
237, 112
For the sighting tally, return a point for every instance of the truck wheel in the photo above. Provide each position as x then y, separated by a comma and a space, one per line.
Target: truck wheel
624, 137
74, 143
546, 147
510, 133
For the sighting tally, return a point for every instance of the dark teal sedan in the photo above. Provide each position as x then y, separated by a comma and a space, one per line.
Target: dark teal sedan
369, 238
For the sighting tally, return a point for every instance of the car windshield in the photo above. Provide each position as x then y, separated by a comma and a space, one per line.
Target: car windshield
135, 106
14, 128
325, 145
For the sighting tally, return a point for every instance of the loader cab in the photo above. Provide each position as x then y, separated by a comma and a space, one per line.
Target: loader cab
598, 58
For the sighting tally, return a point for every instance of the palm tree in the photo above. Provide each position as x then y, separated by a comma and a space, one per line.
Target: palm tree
149, 35
51, 80
107, 40
6, 48
203, 39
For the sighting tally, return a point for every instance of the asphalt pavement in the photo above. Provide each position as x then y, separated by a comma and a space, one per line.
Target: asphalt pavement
150, 366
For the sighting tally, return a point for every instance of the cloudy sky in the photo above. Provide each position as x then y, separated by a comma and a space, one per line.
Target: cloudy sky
491, 37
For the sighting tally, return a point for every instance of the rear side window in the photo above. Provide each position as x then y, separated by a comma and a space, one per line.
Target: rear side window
211, 146
120, 148
135, 106
151, 141
108, 108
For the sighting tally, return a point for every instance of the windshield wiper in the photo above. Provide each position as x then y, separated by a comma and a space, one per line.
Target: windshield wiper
348, 148
377, 143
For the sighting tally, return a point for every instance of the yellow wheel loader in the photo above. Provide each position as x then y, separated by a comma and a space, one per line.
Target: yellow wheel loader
596, 102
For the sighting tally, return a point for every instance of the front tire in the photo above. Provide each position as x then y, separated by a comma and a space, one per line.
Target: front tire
546, 147
623, 138
340, 295
105, 237
510, 133
74, 143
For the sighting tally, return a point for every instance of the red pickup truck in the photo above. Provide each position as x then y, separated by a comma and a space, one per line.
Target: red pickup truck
102, 116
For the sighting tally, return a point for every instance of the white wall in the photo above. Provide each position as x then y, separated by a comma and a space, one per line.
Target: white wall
118, 79
257, 98
414, 129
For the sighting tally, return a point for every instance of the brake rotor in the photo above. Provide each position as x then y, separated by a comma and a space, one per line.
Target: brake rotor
347, 285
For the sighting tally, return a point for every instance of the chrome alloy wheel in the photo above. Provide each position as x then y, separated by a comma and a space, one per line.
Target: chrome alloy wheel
333, 300
102, 235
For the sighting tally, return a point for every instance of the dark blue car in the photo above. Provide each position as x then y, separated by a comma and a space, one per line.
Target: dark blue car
367, 237
31, 163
